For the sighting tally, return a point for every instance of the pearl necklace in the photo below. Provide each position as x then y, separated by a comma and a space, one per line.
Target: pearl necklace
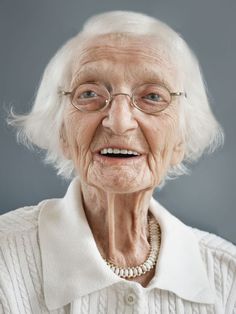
134, 271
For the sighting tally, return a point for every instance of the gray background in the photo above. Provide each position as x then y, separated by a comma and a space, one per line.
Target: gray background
30, 34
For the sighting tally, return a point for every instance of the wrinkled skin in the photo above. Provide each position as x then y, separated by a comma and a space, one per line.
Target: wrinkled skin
116, 196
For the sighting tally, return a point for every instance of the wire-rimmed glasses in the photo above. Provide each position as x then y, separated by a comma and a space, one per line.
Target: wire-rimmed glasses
149, 98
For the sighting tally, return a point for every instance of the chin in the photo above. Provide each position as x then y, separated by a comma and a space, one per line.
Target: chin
120, 186
119, 189
120, 180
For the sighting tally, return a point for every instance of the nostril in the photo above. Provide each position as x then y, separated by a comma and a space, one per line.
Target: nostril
120, 118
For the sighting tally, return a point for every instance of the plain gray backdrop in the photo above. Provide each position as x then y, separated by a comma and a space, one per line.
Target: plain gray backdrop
32, 31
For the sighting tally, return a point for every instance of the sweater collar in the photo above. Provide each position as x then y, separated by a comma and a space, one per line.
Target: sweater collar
73, 267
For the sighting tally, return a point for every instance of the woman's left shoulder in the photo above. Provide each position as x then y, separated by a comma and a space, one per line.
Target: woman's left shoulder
216, 244
219, 257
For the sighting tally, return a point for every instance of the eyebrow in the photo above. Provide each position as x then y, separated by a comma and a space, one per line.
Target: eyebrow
88, 75
100, 75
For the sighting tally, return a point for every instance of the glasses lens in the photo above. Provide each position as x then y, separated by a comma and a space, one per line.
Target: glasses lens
90, 97
151, 98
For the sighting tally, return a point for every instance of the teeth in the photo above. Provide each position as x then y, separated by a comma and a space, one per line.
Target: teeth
104, 151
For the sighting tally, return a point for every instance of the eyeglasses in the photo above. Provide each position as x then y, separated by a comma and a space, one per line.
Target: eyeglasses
149, 98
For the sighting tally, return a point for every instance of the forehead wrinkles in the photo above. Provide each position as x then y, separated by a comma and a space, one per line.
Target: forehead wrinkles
118, 74
124, 46
130, 53
143, 54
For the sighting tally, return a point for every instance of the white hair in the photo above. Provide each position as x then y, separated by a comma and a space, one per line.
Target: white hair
41, 126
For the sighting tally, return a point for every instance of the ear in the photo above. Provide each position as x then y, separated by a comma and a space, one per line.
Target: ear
178, 153
64, 142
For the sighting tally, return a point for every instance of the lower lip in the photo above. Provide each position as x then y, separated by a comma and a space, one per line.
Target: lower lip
117, 160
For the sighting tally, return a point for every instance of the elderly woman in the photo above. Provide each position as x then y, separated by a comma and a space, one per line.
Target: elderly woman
120, 109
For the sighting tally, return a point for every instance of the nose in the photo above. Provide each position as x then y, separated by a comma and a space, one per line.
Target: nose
120, 116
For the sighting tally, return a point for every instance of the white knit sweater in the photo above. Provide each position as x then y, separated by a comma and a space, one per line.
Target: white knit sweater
36, 276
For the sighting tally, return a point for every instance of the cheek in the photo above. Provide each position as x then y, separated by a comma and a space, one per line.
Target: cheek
161, 133
168, 131
80, 130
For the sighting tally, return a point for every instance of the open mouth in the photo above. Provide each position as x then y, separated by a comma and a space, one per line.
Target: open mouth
118, 153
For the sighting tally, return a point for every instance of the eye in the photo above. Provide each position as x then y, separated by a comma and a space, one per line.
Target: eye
153, 97
88, 94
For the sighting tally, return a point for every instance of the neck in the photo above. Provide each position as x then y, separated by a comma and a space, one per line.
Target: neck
119, 224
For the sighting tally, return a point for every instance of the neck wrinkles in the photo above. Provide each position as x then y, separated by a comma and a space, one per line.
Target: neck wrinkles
118, 223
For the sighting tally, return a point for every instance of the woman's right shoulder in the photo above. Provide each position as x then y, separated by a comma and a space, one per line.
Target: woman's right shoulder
20, 260
20, 220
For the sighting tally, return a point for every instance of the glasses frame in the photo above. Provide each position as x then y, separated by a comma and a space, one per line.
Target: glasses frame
111, 97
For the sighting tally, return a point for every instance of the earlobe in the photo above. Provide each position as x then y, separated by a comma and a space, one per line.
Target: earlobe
64, 142
178, 153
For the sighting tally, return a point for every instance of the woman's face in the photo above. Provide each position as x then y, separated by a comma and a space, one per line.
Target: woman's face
121, 63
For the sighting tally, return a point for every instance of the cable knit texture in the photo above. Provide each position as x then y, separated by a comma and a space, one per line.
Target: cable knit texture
21, 289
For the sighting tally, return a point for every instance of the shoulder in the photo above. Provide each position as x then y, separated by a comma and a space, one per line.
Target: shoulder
20, 260
18, 233
19, 220
18, 237
23, 219
215, 244
219, 257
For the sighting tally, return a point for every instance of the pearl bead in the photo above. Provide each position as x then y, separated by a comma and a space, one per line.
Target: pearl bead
144, 268
148, 262
148, 266
130, 272
135, 272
